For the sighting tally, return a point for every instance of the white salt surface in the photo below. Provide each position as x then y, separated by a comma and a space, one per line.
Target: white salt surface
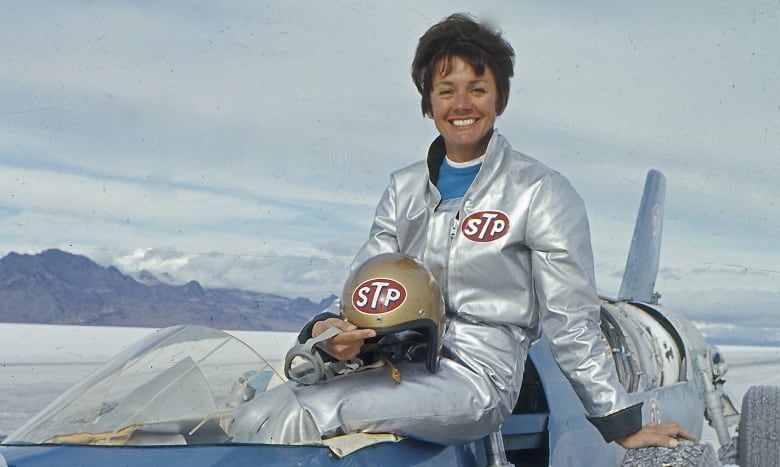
43, 343
39, 362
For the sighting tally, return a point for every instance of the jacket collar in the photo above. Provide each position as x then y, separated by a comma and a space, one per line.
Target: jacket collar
437, 151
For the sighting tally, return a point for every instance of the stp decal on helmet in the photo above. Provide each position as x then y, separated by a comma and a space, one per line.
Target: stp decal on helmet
393, 292
377, 296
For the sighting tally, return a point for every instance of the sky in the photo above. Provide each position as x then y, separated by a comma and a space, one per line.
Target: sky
246, 144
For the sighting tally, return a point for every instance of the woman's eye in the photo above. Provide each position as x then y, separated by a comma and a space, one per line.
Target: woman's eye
479, 90
444, 92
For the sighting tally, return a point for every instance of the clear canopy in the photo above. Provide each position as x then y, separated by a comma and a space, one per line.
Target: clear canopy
180, 385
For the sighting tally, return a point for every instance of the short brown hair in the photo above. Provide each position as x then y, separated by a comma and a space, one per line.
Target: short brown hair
463, 36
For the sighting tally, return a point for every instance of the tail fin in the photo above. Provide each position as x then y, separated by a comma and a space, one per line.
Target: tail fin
644, 255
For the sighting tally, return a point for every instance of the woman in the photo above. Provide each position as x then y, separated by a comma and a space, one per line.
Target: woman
508, 241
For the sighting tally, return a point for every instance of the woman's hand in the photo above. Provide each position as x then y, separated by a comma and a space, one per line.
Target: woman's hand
663, 435
345, 345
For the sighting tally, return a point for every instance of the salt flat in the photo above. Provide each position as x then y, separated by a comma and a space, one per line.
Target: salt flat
39, 362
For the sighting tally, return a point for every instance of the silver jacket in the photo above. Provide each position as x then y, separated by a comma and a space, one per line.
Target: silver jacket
513, 258
516, 251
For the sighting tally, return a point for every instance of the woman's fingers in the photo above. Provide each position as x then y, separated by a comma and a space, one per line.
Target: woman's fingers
664, 435
348, 343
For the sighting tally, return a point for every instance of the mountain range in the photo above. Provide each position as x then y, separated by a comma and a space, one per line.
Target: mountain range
57, 287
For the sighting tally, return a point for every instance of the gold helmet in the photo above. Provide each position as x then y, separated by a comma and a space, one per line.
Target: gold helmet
393, 292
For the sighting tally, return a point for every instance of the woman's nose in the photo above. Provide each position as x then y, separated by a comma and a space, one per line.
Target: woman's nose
462, 101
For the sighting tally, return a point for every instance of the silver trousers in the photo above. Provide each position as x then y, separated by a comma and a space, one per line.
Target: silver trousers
470, 396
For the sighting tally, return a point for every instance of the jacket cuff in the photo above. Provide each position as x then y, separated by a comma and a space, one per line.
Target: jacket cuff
619, 424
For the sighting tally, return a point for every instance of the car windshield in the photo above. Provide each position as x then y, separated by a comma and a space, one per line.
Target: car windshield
180, 385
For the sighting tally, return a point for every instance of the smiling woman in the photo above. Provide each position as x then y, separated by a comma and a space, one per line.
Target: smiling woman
509, 248
240, 144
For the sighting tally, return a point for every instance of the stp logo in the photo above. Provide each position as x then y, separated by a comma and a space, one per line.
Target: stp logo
485, 226
376, 296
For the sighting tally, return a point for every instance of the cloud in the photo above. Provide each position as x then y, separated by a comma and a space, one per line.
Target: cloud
737, 306
737, 334
315, 273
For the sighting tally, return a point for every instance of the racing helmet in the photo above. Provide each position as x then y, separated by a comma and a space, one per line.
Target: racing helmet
393, 292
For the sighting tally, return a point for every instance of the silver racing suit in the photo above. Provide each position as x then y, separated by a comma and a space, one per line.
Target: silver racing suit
513, 258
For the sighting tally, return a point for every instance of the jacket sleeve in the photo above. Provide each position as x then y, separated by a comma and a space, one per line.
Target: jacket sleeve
563, 279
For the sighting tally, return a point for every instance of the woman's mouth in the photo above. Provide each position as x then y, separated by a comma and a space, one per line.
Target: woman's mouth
463, 122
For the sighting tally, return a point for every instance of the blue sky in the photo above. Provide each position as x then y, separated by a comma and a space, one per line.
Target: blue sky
245, 144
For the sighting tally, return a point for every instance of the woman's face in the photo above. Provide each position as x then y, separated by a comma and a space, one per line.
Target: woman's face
464, 108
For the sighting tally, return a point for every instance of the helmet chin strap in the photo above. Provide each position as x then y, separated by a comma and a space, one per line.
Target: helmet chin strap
310, 368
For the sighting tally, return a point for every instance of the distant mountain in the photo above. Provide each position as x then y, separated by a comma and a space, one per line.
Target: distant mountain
56, 287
